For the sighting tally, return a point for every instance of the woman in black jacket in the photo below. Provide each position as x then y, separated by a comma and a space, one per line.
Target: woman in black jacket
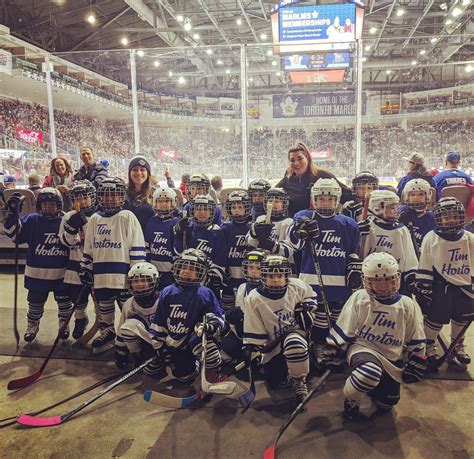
301, 176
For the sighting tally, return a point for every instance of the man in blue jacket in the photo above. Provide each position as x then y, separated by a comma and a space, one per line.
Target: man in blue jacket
452, 175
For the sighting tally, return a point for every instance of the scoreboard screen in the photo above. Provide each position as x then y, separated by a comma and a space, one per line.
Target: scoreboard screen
316, 61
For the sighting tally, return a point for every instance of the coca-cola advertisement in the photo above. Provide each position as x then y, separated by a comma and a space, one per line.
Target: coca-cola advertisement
30, 136
167, 153
324, 154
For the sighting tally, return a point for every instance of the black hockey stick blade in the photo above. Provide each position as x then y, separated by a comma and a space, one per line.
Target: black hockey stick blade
34, 421
269, 452
448, 352
247, 398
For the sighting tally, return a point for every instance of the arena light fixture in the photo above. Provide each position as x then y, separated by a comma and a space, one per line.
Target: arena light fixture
372, 30
180, 18
181, 80
238, 21
269, 52
209, 51
141, 53
263, 36
124, 41
187, 24
227, 71
422, 51
388, 72
196, 36
400, 12
456, 12
170, 73
434, 40
278, 74
274, 63
469, 68
219, 62
364, 59
156, 63
367, 47
449, 21
414, 62
91, 18
251, 79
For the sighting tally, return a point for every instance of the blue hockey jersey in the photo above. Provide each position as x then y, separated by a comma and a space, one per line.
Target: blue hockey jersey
339, 240
450, 177
217, 218
418, 226
179, 310
46, 257
159, 247
236, 247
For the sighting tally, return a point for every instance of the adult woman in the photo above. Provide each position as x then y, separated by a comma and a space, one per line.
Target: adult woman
60, 177
416, 169
301, 176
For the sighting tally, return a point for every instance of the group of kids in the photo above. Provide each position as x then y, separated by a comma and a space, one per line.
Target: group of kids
367, 282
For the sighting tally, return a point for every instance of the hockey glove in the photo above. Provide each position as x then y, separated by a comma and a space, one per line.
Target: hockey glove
305, 313
213, 280
247, 351
261, 230
353, 209
209, 328
267, 244
86, 276
354, 274
121, 357
414, 369
409, 281
329, 355
364, 227
424, 293
181, 227
75, 222
306, 229
14, 204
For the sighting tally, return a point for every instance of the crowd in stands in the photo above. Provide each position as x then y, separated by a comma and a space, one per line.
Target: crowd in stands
218, 151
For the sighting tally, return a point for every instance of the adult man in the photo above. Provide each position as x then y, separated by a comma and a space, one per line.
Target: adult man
452, 175
92, 171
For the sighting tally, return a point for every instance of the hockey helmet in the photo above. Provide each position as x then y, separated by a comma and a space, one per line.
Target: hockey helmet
384, 204
381, 275
164, 202
203, 210
251, 266
190, 268
143, 279
83, 193
364, 182
49, 202
111, 194
197, 184
326, 194
237, 206
450, 216
275, 272
280, 202
417, 194
257, 190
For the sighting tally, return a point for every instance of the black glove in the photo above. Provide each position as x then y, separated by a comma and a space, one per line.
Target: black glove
414, 369
261, 230
424, 292
267, 244
247, 351
121, 358
15, 203
86, 276
306, 229
305, 313
181, 227
364, 227
75, 222
354, 274
353, 209
213, 280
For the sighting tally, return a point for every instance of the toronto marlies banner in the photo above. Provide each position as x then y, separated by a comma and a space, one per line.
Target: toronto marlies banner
315, 105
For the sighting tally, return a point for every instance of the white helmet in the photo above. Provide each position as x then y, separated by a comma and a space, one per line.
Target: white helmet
167, 194
381, 275
147, 276
413, 201
326, 187
379, 202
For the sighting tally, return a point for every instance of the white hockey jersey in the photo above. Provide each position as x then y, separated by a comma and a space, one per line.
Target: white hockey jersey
395, 241
267, 319
381, 329
111, 245
453, 260
75, 242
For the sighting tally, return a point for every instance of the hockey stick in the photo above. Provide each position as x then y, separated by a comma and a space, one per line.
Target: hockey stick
168, 401
247, 398
33, 421
15, 296
86, 337
269, 452
27, 380
224, 387
317, 268
365, 214
449, 351
67, 399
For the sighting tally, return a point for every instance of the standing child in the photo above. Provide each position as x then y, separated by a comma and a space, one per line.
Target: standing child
278, 317
46, 257
72, 234
159, 234
257, 190
114, 241
375, 325
444, 278
178, 326
364, 182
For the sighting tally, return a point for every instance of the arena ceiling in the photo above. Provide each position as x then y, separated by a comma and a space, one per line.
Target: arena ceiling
397, 33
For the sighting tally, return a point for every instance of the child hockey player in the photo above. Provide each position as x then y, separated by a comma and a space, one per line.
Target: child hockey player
159, 234
373, 328
114, 241
257, 190
273, 236
364, 182
199, 184
72, 234
384, 233
278, 317
178, 325
134, 343
200, 233
334, 240
444, 278
415, 215
46, 257
235, 232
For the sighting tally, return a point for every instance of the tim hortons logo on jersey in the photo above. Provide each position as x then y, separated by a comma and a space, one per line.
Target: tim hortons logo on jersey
105, 243
457, 257
174, 323
159, 238
204, 246
286, 321
380, 320
382, 240
51, 239
328, 237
